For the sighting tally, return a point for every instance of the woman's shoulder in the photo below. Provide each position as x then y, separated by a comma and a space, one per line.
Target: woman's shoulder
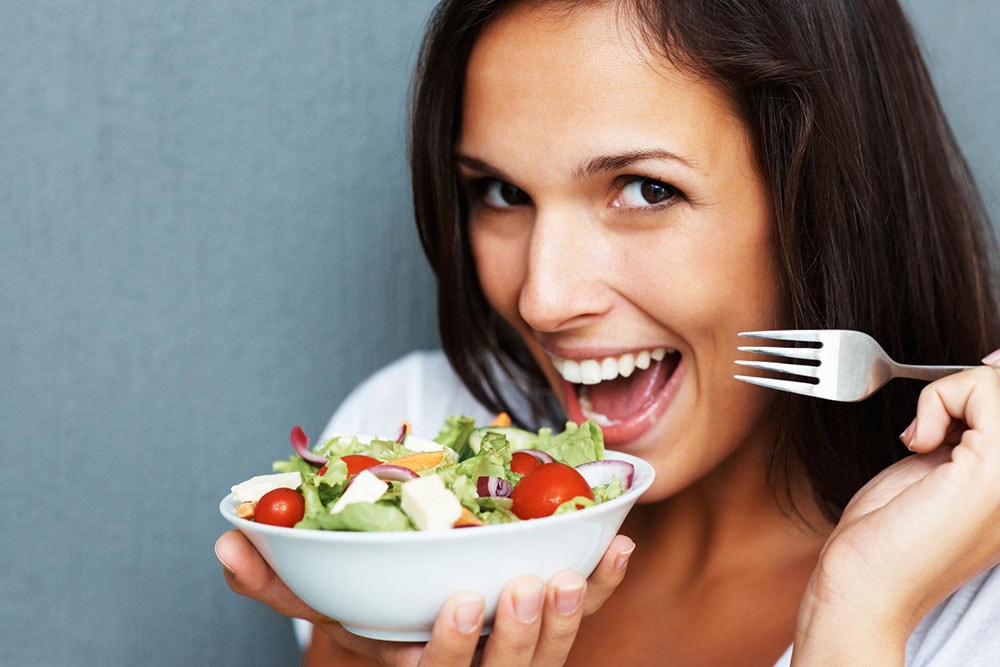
962, 630
419, 387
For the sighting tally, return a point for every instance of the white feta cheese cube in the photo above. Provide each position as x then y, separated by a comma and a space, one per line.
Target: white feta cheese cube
364, 488
430, 504
251, 490
417, 444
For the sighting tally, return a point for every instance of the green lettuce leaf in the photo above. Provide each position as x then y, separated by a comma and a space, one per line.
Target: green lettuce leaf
517, 437
454, 434
609, 491
495, 510
575, 445
574, 504
493, 460
361, 517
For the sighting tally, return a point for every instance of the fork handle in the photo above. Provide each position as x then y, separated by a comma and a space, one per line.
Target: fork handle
928, 373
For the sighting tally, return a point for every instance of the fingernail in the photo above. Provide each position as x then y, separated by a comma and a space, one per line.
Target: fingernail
992, 359
568, 598
225, 565
469, 614
907, 435
623, 557
528, 602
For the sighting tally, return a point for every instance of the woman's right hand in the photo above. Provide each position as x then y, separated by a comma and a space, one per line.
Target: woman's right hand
915, 533
536, 622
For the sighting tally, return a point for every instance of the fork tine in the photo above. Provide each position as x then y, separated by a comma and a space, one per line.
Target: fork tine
803, 388
807, 335
791, 369
793, 352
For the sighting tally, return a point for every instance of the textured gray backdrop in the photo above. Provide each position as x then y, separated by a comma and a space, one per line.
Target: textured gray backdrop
205, 238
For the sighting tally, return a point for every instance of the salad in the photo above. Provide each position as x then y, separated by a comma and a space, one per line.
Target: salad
467, 476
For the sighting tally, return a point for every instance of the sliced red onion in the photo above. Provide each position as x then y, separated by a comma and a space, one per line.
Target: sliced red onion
300, 442
600, 472
544, 457
404, 430
390, 472
493, 487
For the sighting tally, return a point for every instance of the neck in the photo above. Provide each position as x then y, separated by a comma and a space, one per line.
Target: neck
737, 517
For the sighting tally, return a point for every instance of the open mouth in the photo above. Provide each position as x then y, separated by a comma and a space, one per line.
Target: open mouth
622, 394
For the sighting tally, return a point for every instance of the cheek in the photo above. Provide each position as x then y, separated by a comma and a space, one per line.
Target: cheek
707, 295
500, 272
755, 288
501, 268
713, 283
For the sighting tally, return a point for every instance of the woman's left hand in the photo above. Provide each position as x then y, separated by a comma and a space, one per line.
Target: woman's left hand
536, 622
915, 533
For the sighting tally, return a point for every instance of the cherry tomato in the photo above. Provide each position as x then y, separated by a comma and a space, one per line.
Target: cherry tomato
545, 488
523, 462
280, 507
358, 462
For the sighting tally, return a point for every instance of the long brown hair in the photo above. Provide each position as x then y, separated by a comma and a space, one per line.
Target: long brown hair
878, 224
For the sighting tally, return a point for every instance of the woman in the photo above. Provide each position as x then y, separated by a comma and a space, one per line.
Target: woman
611, 184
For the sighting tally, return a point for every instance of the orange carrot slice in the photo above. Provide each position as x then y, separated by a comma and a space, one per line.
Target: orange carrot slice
247, 510
501, 420
419, 461
468, 519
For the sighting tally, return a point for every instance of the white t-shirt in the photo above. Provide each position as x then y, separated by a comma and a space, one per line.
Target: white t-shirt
421, 388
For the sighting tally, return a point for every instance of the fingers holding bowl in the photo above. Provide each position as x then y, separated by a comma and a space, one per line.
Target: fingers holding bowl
562, 614
609, 573
455, 636
517, 623
248, 574
536, 624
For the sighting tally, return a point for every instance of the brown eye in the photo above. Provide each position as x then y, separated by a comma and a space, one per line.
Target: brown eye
655, 192
640, 192
501, 194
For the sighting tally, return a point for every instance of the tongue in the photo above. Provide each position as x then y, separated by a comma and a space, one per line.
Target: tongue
621, 398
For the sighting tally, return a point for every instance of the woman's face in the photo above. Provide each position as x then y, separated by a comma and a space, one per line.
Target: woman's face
619, 223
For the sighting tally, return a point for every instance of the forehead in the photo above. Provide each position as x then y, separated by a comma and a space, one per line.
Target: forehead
559, 46
551, 71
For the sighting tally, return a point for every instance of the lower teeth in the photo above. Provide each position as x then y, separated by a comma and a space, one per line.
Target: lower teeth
588, 410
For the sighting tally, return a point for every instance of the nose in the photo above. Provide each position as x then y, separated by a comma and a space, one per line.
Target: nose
565, 282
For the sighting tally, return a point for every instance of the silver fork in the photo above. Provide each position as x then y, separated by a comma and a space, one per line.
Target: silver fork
844, 366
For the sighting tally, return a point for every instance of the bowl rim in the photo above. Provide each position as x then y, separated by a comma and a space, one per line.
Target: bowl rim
643, 479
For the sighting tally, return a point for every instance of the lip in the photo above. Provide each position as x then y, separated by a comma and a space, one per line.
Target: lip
620, 435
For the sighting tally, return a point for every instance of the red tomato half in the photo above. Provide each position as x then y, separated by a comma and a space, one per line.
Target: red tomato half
545, 488
523, 462
280, 507
358, 462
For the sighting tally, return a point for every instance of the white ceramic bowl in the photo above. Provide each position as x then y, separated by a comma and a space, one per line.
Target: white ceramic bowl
391, 585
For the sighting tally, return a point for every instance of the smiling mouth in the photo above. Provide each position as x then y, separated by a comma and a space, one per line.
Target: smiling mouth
614, 390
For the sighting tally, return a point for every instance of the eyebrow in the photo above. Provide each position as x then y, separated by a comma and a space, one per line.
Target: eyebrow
478, 165
605, 163
597, 165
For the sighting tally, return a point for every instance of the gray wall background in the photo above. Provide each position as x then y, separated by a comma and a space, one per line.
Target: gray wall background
205, 238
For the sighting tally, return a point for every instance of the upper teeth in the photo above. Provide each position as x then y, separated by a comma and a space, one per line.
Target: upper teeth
592, 371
